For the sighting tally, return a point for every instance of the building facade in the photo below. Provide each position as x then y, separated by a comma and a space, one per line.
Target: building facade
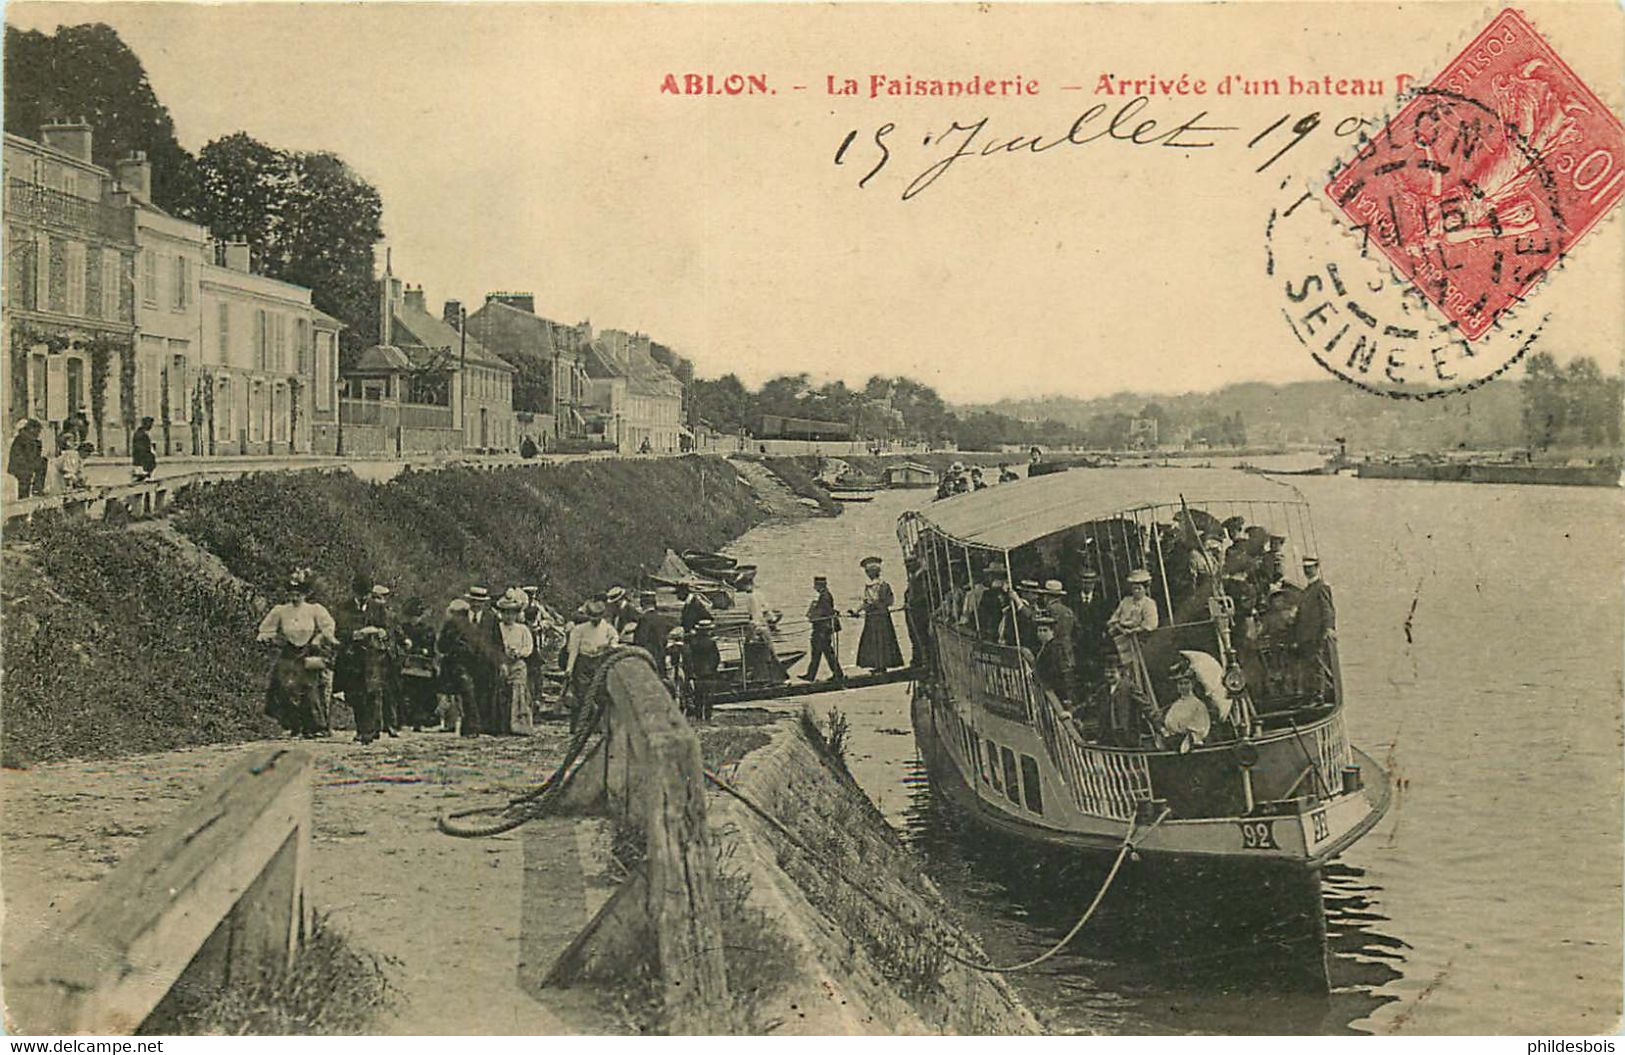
425, 387
636, 403
69, 304
267, 360
550, 384
168, 269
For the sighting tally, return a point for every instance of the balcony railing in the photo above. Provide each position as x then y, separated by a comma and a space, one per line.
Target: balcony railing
392, 414
42, 204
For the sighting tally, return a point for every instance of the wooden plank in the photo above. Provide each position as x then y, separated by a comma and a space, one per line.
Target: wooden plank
118, 951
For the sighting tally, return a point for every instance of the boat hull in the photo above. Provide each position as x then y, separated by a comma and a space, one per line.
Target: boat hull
1306, 838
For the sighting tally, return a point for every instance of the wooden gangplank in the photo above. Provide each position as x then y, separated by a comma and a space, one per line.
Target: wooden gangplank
796, 687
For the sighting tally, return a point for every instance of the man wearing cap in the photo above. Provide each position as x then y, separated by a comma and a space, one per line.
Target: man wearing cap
877, 648
1052, 663
1314, 631
1136, 615
825, 620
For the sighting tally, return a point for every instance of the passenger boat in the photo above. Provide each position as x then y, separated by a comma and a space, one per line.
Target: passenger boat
1276, 782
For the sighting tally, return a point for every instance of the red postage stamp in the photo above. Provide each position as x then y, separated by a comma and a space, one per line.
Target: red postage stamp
1488, 176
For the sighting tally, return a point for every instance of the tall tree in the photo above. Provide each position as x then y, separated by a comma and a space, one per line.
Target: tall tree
309, 219
87, 71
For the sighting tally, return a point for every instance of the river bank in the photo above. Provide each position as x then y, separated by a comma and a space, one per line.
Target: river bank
120, 641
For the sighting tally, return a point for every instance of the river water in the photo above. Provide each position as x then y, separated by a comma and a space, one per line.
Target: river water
1489, 898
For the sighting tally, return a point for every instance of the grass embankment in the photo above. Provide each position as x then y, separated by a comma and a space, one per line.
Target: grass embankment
117, 642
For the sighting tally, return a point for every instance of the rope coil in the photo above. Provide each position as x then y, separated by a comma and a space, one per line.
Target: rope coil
537, 801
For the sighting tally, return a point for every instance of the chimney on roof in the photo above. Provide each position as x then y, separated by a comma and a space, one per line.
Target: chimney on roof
413, 298
70, 137
524, 301
134, 174
238, 255
452, 314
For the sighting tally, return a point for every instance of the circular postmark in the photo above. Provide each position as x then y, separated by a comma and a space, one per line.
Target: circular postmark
1408, 270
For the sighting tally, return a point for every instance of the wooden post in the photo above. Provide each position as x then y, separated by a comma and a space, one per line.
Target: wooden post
230, 868
653, 776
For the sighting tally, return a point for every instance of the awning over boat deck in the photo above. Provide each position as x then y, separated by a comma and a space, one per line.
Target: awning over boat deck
1014, 514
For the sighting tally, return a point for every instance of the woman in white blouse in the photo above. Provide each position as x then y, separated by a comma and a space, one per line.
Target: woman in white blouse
304, 634
517, 645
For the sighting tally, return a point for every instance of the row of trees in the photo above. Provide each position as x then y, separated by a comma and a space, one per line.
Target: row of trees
1569, 406
309, 218
884, 408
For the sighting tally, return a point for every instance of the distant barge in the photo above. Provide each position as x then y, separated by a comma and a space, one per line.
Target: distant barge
1583, 474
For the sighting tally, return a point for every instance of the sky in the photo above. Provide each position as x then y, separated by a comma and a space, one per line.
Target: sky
530, 147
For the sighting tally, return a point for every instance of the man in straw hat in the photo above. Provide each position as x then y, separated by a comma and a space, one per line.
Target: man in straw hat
485, 666
877, 648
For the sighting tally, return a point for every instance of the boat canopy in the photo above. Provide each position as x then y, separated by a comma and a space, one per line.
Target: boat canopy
1010, 516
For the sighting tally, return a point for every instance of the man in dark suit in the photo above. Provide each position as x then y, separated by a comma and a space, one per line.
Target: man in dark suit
1089, 640
350, 663
485, 640
825, 620
1314, 632
654, 627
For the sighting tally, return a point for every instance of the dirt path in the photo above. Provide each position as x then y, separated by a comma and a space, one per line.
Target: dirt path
471, 922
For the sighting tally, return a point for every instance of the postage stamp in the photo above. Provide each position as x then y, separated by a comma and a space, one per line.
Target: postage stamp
1485, 179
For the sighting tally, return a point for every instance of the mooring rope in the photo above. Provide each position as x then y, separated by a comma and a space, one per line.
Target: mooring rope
538, 800
1129, 844
535, 803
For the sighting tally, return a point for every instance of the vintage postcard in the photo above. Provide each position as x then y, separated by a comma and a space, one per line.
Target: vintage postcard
785, 519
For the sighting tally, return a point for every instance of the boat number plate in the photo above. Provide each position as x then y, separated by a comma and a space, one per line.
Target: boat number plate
1318, 819
1258, 835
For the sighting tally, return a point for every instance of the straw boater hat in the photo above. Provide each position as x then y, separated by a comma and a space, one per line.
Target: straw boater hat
1044, 620
1028, 586
1139, 575
1089, 575
1311, 562
865, 562
477, 595
379, 590
533, 590
1054, 587
512, 600
705, 624
615, 593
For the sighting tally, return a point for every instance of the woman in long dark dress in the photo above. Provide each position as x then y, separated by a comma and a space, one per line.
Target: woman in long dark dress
877, 648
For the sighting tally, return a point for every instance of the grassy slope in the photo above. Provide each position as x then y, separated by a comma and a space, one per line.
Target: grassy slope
115, 643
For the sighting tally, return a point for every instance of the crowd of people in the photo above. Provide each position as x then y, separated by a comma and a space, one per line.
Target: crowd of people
1097, 655
494, 664
55, 464
959, 479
